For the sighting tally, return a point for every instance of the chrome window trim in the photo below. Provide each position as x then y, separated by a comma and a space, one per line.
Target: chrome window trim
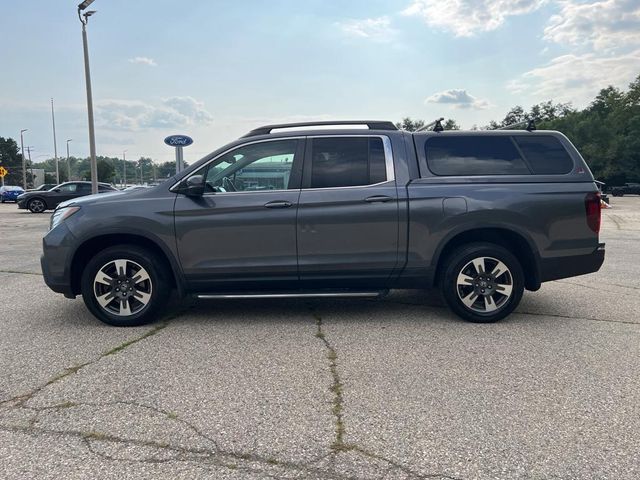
388, 161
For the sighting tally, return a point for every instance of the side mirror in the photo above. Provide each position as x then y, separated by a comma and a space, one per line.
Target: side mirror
193, 186
57, 190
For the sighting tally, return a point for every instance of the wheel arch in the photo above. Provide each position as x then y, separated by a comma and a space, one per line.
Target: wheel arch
516, 242
94, 244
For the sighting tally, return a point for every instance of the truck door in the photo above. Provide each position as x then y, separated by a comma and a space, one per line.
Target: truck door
241, 234
347, 227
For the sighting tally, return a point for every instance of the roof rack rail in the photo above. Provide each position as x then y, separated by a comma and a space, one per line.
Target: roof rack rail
436, 124
371, 124
531, 125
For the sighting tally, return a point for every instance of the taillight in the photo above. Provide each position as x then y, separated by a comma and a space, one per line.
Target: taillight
592, 206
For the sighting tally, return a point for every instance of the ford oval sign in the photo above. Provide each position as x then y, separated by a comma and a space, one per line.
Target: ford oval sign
178, 141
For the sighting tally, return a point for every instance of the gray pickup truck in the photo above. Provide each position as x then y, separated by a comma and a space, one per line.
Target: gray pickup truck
337, 209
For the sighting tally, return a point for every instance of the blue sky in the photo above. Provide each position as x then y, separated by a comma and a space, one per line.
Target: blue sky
214, 69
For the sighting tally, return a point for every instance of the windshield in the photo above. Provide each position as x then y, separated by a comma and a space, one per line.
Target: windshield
9, 188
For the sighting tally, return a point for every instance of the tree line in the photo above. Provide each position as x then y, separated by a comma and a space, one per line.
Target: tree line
110, 169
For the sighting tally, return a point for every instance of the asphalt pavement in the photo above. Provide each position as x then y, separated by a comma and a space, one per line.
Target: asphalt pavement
392, 388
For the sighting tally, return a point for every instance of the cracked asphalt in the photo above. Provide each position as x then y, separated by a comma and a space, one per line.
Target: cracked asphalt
393, 388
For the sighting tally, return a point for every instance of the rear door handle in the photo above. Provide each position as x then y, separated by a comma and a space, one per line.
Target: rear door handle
278, 204
378, 198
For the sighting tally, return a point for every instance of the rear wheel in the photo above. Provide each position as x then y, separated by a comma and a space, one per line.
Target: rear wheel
482, 282
36, 205
125, 286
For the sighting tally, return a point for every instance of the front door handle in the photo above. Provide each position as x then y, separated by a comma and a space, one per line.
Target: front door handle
278, 204
378, 198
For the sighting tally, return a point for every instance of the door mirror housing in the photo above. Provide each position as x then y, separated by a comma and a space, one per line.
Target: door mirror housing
57, 190
193, 186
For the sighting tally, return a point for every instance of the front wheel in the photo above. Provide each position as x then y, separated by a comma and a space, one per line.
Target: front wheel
125, 286
36, 205
482, 282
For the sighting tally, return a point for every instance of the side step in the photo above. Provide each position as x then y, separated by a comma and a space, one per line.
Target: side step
218, 296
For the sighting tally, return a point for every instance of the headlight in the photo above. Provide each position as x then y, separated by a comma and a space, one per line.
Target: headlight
61, 214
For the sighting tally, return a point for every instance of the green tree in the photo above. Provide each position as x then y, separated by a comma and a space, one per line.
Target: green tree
11, 159
606, 132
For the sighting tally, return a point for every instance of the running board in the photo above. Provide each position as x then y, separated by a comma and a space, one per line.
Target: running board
291, 295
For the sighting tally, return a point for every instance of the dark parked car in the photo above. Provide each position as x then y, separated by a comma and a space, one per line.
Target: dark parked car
301, 210
43, 188
627, 189
9, 193
39, 201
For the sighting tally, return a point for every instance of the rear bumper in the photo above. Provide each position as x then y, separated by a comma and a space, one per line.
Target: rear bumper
565, 267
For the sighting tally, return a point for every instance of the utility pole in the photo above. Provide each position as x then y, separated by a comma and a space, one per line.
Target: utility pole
55, 144
87, 78
124, 169
68, 161
24, 162
30, 165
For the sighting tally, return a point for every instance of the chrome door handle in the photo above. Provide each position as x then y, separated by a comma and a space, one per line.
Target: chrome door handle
278, 204
378, 198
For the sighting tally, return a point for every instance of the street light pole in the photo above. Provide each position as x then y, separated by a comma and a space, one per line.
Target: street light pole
55, 143
84, 18
30, 165
68, 162
24, 162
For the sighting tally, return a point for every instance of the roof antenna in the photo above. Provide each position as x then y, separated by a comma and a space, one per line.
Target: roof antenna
436, 124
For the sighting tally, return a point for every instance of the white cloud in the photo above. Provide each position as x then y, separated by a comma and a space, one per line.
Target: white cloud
578, 78
144, 61
458, 99
173, 112
603, 42
604, 24
465, 18
373, 28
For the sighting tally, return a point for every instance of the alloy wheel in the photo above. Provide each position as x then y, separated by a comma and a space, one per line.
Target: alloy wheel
484, 285
36, 206
122, 287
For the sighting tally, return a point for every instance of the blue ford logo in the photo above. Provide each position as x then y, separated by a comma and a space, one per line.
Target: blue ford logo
178, 141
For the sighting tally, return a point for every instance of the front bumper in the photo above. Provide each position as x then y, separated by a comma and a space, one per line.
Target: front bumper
565, 267
56, 260
22, 203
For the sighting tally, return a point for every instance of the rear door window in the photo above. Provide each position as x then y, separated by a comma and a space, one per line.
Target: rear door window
346, 162
459, 155
545, 154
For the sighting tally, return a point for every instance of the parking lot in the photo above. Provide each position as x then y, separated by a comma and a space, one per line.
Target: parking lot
393, 388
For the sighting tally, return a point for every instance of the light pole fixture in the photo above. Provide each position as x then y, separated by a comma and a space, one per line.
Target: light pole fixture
24, 162
84, 18
68, 162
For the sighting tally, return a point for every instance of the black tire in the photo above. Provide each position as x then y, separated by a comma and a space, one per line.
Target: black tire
485, 307
132, 313
37, 205
617, 193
